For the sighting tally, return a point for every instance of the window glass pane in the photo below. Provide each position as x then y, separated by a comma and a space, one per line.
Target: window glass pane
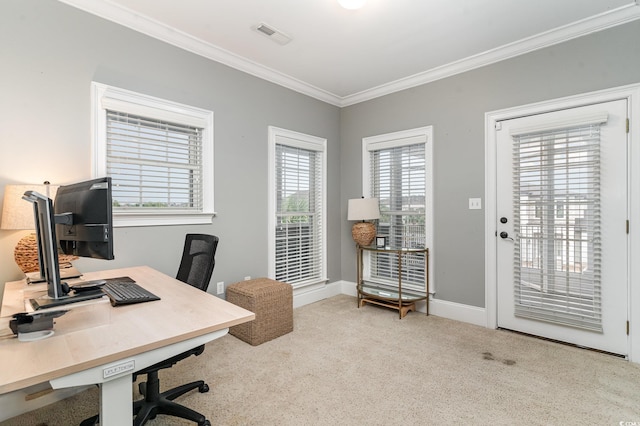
398, 180
298, 236
154, 164
556, 198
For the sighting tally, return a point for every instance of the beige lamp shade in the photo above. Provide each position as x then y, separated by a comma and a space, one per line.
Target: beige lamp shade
17, 214
363, 209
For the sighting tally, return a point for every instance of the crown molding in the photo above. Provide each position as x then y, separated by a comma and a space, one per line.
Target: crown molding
153, 28
158, 30
603, 21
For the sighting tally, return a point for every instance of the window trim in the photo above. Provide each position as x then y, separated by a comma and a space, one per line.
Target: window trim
308, 142
105, 97
398, 139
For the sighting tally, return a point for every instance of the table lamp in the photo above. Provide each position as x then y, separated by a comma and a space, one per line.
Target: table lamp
17, 214
363, 209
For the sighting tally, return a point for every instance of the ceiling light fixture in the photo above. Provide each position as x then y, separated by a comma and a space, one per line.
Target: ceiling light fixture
352, 4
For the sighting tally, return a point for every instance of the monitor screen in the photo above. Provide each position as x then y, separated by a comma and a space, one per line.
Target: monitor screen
84, 215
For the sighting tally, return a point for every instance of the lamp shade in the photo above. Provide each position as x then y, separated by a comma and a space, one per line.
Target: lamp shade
363, 209
18, 213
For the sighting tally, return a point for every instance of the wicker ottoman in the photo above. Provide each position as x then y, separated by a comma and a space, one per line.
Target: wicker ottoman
271, 301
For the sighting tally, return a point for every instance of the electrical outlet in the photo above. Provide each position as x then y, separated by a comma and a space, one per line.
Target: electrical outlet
221, 287
475, 203
247, 278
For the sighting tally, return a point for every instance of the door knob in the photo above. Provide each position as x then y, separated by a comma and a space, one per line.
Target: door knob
503, 220
505, 236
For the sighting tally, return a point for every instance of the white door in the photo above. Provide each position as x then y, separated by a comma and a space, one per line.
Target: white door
562, 225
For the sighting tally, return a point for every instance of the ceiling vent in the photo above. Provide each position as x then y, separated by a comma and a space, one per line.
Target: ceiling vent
272, 33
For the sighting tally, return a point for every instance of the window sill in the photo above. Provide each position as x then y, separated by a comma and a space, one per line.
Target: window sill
124, 220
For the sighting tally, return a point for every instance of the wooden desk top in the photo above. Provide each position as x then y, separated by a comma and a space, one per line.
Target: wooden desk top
183, 313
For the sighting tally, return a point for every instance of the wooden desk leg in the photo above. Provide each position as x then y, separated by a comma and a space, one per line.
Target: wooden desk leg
116, 401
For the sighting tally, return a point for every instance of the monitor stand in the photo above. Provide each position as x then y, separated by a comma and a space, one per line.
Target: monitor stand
45, 302
65, 273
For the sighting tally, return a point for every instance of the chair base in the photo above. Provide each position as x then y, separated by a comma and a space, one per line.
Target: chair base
155, 403
91, 421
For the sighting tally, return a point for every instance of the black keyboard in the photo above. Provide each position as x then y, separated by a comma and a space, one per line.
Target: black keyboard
125, 291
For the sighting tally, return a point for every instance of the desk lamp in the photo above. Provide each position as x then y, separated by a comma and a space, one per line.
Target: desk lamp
363, 209
17, 214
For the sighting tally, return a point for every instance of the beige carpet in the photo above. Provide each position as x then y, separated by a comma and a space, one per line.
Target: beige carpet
349, 366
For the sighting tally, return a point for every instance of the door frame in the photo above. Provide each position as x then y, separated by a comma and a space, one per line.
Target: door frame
632, 94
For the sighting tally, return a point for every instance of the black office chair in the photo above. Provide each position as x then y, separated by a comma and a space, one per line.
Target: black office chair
196, 268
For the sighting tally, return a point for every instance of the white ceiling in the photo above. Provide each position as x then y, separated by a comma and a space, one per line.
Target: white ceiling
344, 57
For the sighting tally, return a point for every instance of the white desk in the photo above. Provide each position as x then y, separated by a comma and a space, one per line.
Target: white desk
134, 337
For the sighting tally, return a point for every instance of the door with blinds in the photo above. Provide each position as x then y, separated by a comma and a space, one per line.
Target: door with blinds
562, 232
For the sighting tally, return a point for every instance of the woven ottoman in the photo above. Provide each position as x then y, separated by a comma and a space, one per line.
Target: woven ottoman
271, 301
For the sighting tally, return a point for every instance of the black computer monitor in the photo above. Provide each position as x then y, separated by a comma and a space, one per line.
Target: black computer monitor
84, 219
80, 223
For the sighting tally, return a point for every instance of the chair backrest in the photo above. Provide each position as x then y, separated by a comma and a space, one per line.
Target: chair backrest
198, 260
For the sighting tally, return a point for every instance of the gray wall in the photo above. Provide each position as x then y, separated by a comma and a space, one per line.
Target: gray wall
50, 53
455, 107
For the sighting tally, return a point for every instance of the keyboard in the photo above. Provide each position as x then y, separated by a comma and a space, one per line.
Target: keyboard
125, 291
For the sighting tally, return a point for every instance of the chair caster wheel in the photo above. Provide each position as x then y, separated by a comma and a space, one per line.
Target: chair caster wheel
205, 423
204, 388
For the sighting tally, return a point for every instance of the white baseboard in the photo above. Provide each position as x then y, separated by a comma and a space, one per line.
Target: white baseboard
440, 308
304, 296
458, 312
348, 288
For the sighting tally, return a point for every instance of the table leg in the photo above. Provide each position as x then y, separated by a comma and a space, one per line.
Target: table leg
359, 274
116, 402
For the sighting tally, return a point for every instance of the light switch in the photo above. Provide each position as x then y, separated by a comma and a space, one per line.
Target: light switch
475, 203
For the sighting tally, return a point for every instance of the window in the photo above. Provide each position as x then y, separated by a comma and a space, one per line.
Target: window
159, 155
297, 219
558, 253
398, 171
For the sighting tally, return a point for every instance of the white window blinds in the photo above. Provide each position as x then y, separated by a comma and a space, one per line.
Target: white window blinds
154, 164
398, 180
557, 205
299, 210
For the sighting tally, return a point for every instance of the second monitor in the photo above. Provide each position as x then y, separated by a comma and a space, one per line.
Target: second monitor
84, 219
